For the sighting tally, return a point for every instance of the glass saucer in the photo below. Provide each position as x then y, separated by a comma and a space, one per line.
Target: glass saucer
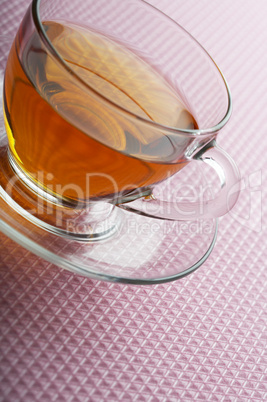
141, 250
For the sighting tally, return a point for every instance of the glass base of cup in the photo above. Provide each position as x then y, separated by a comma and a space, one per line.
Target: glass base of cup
94, 222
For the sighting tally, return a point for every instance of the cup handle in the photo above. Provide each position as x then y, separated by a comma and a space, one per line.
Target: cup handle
229, 177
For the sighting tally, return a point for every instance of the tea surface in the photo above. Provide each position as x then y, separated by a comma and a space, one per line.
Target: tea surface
75, 142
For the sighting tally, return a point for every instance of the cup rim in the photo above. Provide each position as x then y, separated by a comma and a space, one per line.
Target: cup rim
166, 129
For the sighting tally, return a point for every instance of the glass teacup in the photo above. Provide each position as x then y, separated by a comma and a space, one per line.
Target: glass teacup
104, 100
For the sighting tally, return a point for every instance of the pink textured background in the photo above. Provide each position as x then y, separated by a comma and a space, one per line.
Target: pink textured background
68, 338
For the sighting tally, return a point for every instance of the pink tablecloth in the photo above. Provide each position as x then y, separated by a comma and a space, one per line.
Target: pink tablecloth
65, 337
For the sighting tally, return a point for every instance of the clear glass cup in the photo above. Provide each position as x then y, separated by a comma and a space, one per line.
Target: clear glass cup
102, 102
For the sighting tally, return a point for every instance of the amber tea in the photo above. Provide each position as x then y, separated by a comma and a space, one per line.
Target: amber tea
81, 141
